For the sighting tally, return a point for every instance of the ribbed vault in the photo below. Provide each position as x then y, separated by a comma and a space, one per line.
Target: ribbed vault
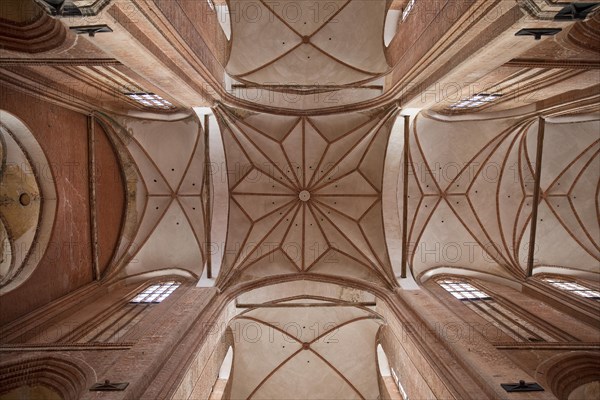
305, 195
471, 190
308, 347
167, 215
289, 42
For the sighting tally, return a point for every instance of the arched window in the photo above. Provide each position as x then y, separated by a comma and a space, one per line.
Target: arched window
219, 389
408, 9
222, 10
512, 323
573, 287
387, 372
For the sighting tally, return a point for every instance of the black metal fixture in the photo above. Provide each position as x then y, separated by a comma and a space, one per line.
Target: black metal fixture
61, 8
522, 386
575, 11
54, 6
538, 32
91, 30
108, 386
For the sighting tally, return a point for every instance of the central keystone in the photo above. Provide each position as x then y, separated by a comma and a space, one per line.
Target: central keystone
304, 195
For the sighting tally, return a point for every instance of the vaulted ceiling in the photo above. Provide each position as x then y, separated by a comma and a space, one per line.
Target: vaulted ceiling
306, 43
309, 349
471, 188
304, 177
305, 194
304, 100
165, 222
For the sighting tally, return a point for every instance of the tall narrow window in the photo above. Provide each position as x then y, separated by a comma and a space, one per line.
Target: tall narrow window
573, 287
121, 319
409, 7
388, 372
498, 315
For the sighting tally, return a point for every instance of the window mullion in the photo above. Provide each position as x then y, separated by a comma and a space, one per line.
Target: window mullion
125, 325
505, 313
502, 326
110, 325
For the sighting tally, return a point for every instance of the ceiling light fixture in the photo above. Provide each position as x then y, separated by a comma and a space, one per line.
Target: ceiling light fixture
538, 32
108, 386
522, 386
91, 30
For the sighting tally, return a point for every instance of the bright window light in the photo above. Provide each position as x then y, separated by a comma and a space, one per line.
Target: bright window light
573, 287
400, 387
151, 100
463, 291
476, 101
409, 7
155, 293
497, 314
